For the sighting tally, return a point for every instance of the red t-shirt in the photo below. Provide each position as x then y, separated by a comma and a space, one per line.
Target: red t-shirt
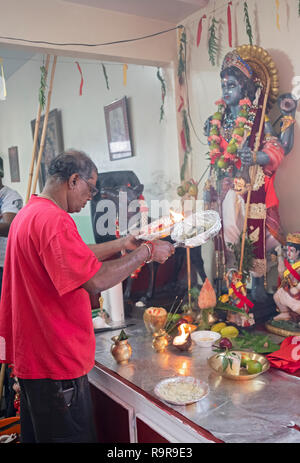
46, 327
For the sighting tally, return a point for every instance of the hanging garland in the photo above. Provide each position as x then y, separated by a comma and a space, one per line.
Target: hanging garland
213, 42
181, 58
185, 142
105, 76
298, 7
163, 93
223, 157
248, 24
42, 97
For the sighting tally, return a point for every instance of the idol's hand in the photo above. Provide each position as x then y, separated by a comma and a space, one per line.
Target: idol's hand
246, 156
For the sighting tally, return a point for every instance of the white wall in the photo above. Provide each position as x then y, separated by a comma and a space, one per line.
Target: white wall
155, 143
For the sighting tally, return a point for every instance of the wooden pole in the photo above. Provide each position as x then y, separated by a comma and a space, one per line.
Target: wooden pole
44, 131
188, 264
253, 176
35, 138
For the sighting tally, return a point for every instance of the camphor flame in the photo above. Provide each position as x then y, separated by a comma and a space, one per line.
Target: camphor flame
185, 331
176, 216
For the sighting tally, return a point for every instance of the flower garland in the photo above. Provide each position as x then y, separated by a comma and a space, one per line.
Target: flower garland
223, 158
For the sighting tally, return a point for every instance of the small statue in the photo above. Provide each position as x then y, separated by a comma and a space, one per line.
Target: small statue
237, 296
287, 296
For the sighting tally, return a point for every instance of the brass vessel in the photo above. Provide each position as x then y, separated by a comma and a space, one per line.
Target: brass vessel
160, 341
121, 350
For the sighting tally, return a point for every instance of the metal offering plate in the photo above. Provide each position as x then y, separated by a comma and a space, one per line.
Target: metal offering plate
215, 362
197, 229
181, 390
157, 229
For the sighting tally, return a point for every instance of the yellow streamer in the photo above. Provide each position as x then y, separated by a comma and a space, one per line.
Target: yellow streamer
277, 15
3, 79
125, 67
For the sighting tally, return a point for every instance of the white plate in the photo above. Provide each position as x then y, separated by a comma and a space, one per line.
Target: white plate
201, 338
181, 390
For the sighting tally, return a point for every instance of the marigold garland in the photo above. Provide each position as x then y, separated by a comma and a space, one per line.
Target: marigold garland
220, 158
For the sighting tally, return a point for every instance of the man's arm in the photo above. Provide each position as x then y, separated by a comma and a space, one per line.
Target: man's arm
105, 250
114, 271
7, 220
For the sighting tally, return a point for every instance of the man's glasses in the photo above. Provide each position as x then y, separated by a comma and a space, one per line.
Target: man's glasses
93, 190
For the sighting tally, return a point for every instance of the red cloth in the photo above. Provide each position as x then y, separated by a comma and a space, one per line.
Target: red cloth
287, 358
45, 317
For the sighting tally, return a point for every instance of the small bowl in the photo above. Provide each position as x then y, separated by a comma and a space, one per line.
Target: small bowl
205, 338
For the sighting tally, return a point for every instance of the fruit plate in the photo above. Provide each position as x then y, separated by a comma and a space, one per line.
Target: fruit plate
181, 390
215, 362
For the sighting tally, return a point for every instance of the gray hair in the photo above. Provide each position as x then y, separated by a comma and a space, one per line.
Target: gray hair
71, 162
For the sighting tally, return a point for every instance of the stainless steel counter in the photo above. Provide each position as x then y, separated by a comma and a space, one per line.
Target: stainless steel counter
256, 411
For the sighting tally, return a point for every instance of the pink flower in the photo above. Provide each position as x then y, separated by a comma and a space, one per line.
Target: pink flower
215, 138
240, 120
220, 103
216, 152
229, 156
237, 137
245, 101
216, 122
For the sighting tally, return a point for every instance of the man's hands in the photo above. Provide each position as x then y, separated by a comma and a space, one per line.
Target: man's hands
162, 251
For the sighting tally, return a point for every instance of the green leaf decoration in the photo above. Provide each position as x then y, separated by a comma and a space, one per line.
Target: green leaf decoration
259, 343
298, 7
186, 129
248, 24
163, 93
122, 336
231, 308
183, 167
105, 76
181, 58
213, 42
43, 85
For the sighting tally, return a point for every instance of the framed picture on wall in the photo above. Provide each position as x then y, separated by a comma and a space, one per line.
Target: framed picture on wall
117, 129
13, 157
53, 142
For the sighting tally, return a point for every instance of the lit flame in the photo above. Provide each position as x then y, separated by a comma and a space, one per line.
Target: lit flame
184, 330
176, 216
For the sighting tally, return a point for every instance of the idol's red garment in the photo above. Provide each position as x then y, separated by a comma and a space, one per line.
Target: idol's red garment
45, 315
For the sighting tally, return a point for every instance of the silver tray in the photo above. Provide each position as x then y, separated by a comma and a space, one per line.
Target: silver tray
199, 390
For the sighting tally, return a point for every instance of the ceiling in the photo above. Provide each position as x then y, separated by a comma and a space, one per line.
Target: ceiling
172, 11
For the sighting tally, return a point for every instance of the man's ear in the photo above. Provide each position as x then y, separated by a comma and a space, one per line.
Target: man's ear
73, 180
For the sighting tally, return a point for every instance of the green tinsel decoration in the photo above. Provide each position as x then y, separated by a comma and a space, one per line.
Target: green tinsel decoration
213, 42
186, 129
163, 93
188, 147
248, 24
181, 58
105, 75
42, 98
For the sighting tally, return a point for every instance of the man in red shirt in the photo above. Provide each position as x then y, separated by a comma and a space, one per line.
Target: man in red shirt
46, 328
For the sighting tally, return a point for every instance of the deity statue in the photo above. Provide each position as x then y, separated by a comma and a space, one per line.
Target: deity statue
287, 296
244, 154
237, 296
